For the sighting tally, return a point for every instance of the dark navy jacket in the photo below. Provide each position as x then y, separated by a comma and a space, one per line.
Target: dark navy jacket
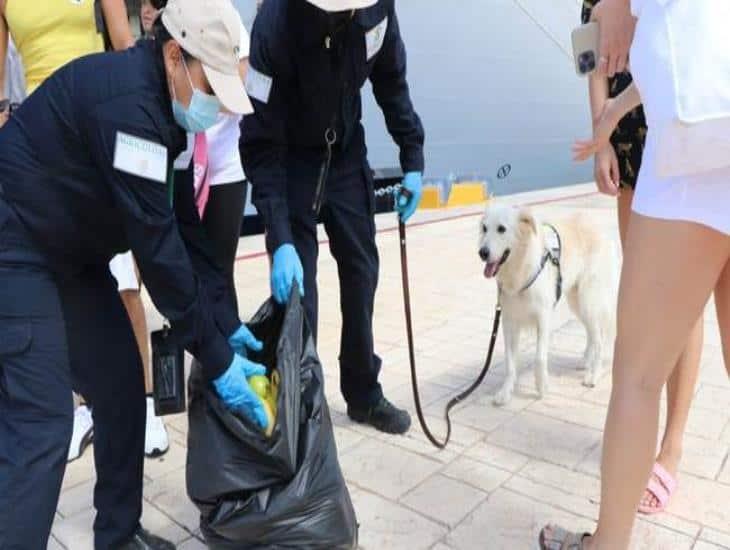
304, 74
57, 157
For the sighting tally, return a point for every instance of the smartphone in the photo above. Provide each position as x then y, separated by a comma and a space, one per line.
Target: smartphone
585, 48
4, 105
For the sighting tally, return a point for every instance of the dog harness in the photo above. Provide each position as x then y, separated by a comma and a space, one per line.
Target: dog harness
552, 254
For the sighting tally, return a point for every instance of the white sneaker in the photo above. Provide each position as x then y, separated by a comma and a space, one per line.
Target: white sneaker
83, 432
156, 442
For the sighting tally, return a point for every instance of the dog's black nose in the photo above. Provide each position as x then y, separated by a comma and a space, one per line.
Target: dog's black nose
484, 254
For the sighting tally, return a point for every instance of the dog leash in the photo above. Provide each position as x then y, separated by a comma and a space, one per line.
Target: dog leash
411, 354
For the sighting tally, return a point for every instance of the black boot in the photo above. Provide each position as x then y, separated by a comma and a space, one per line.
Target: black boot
384, 417
144, 540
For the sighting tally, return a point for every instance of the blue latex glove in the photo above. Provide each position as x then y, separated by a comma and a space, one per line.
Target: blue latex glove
413, 181
244, 339
233, 389
287, 268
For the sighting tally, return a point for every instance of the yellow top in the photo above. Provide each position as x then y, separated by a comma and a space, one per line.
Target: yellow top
50, 33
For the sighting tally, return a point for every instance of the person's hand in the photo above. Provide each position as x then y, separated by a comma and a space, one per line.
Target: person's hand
406, 205
606, 171
616, 34
4, 116
603, 127
244, 339
287, 268
233, 389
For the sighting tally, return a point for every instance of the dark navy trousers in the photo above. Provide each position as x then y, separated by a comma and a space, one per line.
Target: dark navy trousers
348, 217
59, 333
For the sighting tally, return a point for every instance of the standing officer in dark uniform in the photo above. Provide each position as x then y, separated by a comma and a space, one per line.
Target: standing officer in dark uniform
304, 152
85, 172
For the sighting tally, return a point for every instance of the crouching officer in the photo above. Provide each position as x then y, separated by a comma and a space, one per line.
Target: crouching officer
304, 152
86, 164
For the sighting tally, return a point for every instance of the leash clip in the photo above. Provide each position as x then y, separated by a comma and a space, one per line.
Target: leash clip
330, 138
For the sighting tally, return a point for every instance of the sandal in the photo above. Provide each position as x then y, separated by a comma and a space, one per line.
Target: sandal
554, 537
661, 486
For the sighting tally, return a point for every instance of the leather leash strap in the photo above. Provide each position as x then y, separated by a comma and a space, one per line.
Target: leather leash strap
409, 329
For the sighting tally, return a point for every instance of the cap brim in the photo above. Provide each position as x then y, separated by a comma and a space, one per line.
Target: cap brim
229, 90
343, 5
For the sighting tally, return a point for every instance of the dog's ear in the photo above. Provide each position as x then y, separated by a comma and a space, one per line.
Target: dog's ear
527, 218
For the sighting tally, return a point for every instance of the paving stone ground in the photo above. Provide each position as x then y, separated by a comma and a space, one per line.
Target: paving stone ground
508, 471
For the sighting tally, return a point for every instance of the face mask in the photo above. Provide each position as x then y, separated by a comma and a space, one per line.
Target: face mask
201, 114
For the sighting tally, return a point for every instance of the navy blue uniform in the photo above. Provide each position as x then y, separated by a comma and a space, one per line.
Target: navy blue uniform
65, 211
306, 72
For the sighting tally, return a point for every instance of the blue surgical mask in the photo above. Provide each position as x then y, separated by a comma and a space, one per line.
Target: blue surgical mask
201, 114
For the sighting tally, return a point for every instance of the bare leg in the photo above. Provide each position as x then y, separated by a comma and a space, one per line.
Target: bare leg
722, 306
652, 331
624, 213
680, 392
681, 384
132, 301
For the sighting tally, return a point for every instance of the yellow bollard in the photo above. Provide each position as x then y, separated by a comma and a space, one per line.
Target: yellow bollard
467, 193
431, 198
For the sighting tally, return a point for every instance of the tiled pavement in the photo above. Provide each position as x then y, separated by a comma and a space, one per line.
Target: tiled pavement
507, 471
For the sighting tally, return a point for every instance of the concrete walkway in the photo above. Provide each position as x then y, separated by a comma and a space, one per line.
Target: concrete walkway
508, 471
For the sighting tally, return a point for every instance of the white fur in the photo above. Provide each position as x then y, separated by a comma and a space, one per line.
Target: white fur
589, 268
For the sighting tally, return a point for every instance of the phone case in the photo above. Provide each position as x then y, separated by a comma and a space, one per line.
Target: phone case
585, 48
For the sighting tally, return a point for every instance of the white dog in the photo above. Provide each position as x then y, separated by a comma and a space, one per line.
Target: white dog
536, 266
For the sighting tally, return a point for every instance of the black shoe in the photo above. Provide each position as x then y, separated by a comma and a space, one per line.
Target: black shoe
144, 540
384, 417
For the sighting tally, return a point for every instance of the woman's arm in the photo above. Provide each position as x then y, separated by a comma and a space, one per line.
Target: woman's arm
613, 111
617, 32
598, 92
605, 163
117, 23
625, 102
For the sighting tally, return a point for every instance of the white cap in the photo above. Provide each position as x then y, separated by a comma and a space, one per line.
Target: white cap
210, 31
342, 5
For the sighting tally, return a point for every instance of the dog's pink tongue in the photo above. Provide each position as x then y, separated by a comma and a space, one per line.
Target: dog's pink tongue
490, 270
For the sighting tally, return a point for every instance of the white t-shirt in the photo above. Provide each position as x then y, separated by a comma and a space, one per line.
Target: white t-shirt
14, 79
224, 160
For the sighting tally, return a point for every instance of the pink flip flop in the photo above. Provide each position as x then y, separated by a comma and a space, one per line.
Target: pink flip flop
662, 486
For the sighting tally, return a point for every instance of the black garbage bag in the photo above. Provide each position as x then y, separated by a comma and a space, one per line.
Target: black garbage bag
286, 491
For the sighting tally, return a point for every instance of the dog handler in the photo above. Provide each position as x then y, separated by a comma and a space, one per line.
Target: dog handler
304, 152
86, 174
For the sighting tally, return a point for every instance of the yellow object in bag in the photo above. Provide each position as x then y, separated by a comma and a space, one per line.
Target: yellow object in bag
268, 391
260, 386
274, 390
271, 416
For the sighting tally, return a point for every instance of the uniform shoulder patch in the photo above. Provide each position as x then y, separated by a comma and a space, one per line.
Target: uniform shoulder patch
140, 157
258, 85
375, 38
